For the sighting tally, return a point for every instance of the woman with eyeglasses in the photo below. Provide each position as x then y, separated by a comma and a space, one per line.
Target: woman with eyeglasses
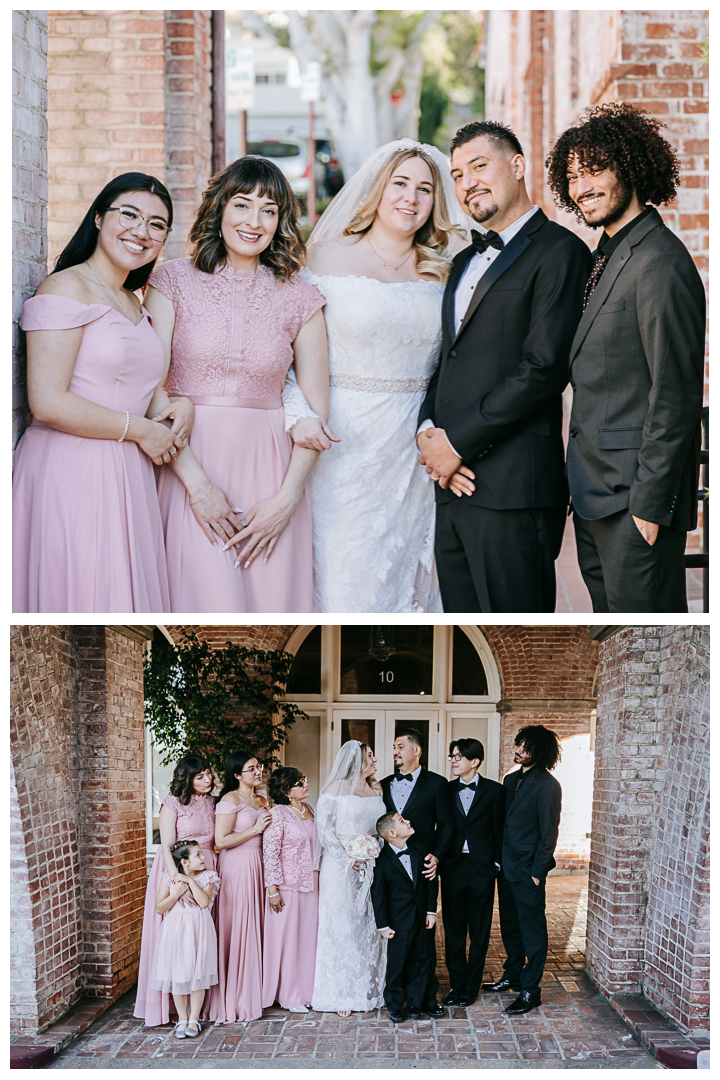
87, 531
241, 818
291, 854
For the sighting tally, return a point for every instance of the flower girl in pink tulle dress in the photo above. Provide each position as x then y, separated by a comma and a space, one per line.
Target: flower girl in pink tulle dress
186, 953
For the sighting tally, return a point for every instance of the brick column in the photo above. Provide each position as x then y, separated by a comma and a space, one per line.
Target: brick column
648, 903
188, 118
106, 107
30, 185
46, 910
111, 805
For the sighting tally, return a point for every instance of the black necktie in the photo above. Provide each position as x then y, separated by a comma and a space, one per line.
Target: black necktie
519, 781
482, 241
600, 264
403, 776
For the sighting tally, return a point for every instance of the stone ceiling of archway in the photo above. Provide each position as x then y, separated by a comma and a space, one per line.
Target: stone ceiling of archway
534, 661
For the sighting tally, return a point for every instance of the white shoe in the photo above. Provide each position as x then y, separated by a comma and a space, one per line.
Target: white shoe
299, 1009
180, 1027
193, 1029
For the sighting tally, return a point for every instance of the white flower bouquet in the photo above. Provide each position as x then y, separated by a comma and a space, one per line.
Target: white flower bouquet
364, 850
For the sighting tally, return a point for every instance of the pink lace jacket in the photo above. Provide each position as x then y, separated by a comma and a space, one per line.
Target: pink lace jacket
233, 331
291, 851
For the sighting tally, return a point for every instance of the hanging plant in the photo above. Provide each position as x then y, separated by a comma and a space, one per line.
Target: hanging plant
217, 701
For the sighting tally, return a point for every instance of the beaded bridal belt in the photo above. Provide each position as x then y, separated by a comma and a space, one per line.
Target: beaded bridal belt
380, 386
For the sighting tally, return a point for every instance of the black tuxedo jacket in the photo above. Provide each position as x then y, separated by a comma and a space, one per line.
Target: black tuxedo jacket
398, 901
637, 365
497, 391
426, 809
482, 827
532, 820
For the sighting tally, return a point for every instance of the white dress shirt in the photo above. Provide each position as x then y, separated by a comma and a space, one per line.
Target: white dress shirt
472, 273
404, 856
467, 794
401, 790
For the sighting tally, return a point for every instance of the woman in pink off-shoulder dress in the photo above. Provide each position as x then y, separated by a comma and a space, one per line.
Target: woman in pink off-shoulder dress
187, 813
241, 818
87, 534
291, 854
233, 319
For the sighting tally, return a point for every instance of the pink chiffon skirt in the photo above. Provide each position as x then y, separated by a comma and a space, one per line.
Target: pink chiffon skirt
185, 952
87, 534
246, 452
239, 919
290, 943
154, 1006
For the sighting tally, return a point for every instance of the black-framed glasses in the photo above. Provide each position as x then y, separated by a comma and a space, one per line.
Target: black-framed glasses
455, 757
300, 783
252, 768
131, 219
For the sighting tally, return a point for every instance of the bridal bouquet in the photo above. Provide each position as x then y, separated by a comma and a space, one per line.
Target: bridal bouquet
363, 849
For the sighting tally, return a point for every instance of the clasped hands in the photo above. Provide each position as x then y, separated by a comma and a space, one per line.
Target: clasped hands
443, 464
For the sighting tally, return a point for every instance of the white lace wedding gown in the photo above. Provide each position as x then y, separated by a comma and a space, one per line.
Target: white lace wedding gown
351, 954
372, 504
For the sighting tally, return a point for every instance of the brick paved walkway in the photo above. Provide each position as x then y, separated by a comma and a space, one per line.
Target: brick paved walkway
574, 1027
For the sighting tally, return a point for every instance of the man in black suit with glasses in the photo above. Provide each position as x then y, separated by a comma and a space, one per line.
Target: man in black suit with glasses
476, 813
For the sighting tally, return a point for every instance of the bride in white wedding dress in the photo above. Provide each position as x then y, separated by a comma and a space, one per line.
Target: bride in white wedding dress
351, 954
379, 257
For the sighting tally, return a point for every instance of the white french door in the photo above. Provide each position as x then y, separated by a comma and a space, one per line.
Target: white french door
377, 728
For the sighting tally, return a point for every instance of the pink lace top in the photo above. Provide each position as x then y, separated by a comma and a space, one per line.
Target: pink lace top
233, 331
196, 821
203, 880
291, 850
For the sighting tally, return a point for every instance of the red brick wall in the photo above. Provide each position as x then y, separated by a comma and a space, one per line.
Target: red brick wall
648, 902
78, 837
543, 661
257, 637
106, 82
46, 919
30, 185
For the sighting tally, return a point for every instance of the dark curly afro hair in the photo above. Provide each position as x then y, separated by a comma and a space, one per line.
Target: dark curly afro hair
622, 138
542, 743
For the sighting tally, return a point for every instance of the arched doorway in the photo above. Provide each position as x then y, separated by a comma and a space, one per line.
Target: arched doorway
442, 680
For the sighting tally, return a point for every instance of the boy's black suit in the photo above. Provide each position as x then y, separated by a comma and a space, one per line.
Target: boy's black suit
532, 819
497, 393
468, 880
426, 810
402, 905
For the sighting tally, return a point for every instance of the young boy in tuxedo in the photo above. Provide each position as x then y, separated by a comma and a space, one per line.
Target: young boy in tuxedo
405, 905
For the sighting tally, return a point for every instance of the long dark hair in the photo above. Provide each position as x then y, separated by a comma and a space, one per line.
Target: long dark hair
83, 243
234, 764
186, 770
286, 253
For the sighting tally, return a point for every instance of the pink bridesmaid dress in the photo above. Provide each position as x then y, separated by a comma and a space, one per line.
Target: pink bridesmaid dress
87, 532
196, 821
239, 919
231, 350
291, 853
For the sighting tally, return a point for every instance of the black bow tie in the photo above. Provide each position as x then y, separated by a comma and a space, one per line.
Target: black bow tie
482, 241
472, 784
403, 776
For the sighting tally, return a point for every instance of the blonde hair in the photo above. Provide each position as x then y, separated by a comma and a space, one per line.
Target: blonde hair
432, 238
369, 780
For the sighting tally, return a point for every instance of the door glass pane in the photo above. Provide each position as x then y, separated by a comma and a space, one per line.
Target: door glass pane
408, 670
362, 730
472, 727
302, 750
161, 779
423, 729
468, 676
304, 677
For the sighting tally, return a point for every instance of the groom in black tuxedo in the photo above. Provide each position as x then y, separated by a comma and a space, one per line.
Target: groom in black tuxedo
469, 868
491, 421
421, 797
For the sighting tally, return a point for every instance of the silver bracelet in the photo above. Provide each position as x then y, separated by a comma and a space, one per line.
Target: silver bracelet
127, 425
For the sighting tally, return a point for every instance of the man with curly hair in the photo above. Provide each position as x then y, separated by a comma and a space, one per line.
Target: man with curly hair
532, 818
636, 364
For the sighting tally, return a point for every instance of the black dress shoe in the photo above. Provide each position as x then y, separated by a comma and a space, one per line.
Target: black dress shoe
433, 1008
523, 1003
501, 986
396, 1017
413, 1014
456, 997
